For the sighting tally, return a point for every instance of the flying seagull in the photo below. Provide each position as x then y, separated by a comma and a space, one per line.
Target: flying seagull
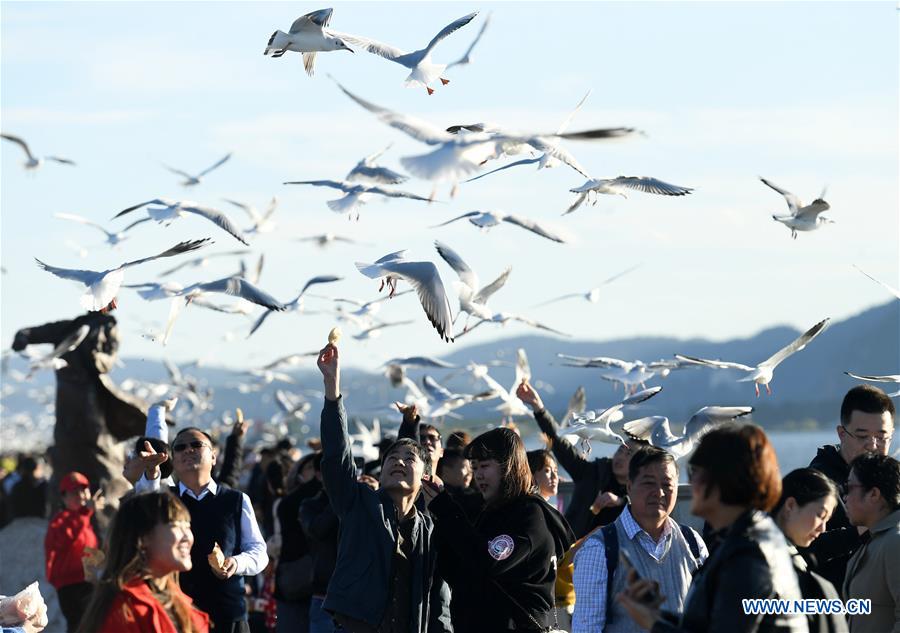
165, 211
895, 378
102, 286
368, 171
422, 70
592, 295
466, 59
200, 262
801, 218
262, 222
309, 34
656, 429
595, 425
295, 304
113, 239
32, 162
323, 240
621, 184
887, 287
424, 278
472, 299
511, 405
762, 374
355, 194
487, 219
190, 180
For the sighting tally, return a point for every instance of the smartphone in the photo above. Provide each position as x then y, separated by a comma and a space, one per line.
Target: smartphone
628, 565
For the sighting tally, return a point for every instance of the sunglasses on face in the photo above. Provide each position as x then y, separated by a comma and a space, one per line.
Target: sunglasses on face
196, 445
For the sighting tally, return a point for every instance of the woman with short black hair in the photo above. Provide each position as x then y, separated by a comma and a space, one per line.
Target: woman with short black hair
499, 557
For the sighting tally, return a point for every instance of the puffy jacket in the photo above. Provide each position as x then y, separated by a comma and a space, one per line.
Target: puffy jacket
136, 610
69, 532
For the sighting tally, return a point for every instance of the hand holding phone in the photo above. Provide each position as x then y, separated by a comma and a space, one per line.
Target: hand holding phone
644, 591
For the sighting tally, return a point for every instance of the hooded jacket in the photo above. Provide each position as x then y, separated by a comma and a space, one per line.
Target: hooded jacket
501, 562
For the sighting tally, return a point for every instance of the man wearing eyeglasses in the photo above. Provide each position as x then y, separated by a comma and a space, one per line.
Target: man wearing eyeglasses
219, 515
866, 426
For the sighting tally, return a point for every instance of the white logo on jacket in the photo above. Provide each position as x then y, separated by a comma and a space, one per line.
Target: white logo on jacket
501, 547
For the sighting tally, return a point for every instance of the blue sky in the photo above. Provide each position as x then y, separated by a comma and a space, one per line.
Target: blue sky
805, 94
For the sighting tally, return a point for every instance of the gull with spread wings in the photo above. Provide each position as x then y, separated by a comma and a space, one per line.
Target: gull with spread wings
895, 378
32, 161
887, 287
368, 171
355, 194
165, 211
801, 218
592, 295
487, 219
656, 429
619, 185
309, 34
103, 286
472, 300
190, 180
763, 373
113, 239
595, 425
262, 222
295, 304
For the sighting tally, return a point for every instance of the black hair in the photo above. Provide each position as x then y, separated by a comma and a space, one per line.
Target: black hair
196, 429
450, 456
504, 446
537, 459
647, 455
416, 448
882, 472
867, 399
430, 427
805, 485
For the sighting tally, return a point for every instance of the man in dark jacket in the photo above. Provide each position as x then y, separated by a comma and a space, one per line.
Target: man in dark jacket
384, 577
320, 525
867, 425
599, 492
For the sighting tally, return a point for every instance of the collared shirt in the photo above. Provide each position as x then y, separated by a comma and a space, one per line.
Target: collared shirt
252, 558
590, 578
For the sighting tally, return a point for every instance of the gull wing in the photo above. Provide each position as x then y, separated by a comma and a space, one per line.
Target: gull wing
535, 324
565, 122
571, 295
246, 208
647, 184
641, 396
796, 345
198, 260
219, 219
319, 279
813, 210
216, 165
435, 390
467, 59
425, 279
534, 227
793, 201
488, 291
890, 289
596, 133
420, 361
69, 343
60, 160
560, 153
178, 249
524, 161
158, 201
460, 267
317, 19
388, 52
259, 322
523, 370
239, 287
621, 274
459, 217
390, 193
179, 172
719, 364
892, 378
334, 184
577, 403
81, 220
18, 141
576, 203
447, 30
708, 418
86, 277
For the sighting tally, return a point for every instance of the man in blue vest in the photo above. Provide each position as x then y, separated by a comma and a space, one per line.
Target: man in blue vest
219, 516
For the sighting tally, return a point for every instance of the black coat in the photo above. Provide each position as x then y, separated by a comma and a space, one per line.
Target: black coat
505, 554
590, 478
294, 543
834, 547
752, 560
320, 525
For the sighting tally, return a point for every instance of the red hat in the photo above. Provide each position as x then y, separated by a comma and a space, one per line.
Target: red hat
73, 481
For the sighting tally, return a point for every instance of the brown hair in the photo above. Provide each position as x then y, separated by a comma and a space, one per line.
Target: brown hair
506, 448
137, 517
739, 460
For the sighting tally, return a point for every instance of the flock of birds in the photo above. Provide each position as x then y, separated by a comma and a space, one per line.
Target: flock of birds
455, 155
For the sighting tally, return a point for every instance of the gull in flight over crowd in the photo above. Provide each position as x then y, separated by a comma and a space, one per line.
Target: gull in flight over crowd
762, 374
190, 180
487, 219
592, 295
165, 211
364, 313
103, 286
423, 71
619, 185
355, 194
511, 405
656, 429
369, 172
52, 360
33, 162
374, 331
395, 369
322, 240
296, 304
113, 239
801, 218
595, 425
895, 378
262, 222
309, 34
425, 280
631, 374
466, 59
472, 300
446, 400
887, 287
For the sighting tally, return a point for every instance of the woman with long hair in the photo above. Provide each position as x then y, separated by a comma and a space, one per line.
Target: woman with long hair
735, 482
149, 543
499, 556
544, 473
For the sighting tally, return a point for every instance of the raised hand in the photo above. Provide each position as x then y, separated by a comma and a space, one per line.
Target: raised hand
240, 424
606, 500
410, 412
151, 461
328, 364
527, 394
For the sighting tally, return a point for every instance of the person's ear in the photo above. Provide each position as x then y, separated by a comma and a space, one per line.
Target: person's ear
841, 431
790, 505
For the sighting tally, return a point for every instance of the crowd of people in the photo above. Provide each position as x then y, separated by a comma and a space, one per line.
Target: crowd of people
463, 534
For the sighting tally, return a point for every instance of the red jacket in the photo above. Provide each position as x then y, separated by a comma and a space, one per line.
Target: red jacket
68, 534
136, 610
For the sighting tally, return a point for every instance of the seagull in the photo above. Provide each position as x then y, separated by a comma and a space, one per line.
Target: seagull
472, 300
356, 195
762, 374
32, 162
322, 240
656, 430
395, 369
165, 211
511, 405
487, 219
424, 278
291, 360
447, 401
296, 304
466, 59
618, 186
102, 286
595, 425
53, 360
309, 34
200, 262
292, 407
262, 222
630, 373
375, 331
113, 239
592, 295
189, 180
801, 218
577, 405
422, 70
502, 318
890, 289
367, 171
457, 156
365, 310
893, 378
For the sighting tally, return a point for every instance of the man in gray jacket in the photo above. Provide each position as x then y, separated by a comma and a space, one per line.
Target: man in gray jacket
384, 579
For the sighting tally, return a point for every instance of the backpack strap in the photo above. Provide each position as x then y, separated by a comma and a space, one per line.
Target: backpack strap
691, 539
611, 549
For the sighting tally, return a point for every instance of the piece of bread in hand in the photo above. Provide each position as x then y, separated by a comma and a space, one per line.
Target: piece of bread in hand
216, 557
